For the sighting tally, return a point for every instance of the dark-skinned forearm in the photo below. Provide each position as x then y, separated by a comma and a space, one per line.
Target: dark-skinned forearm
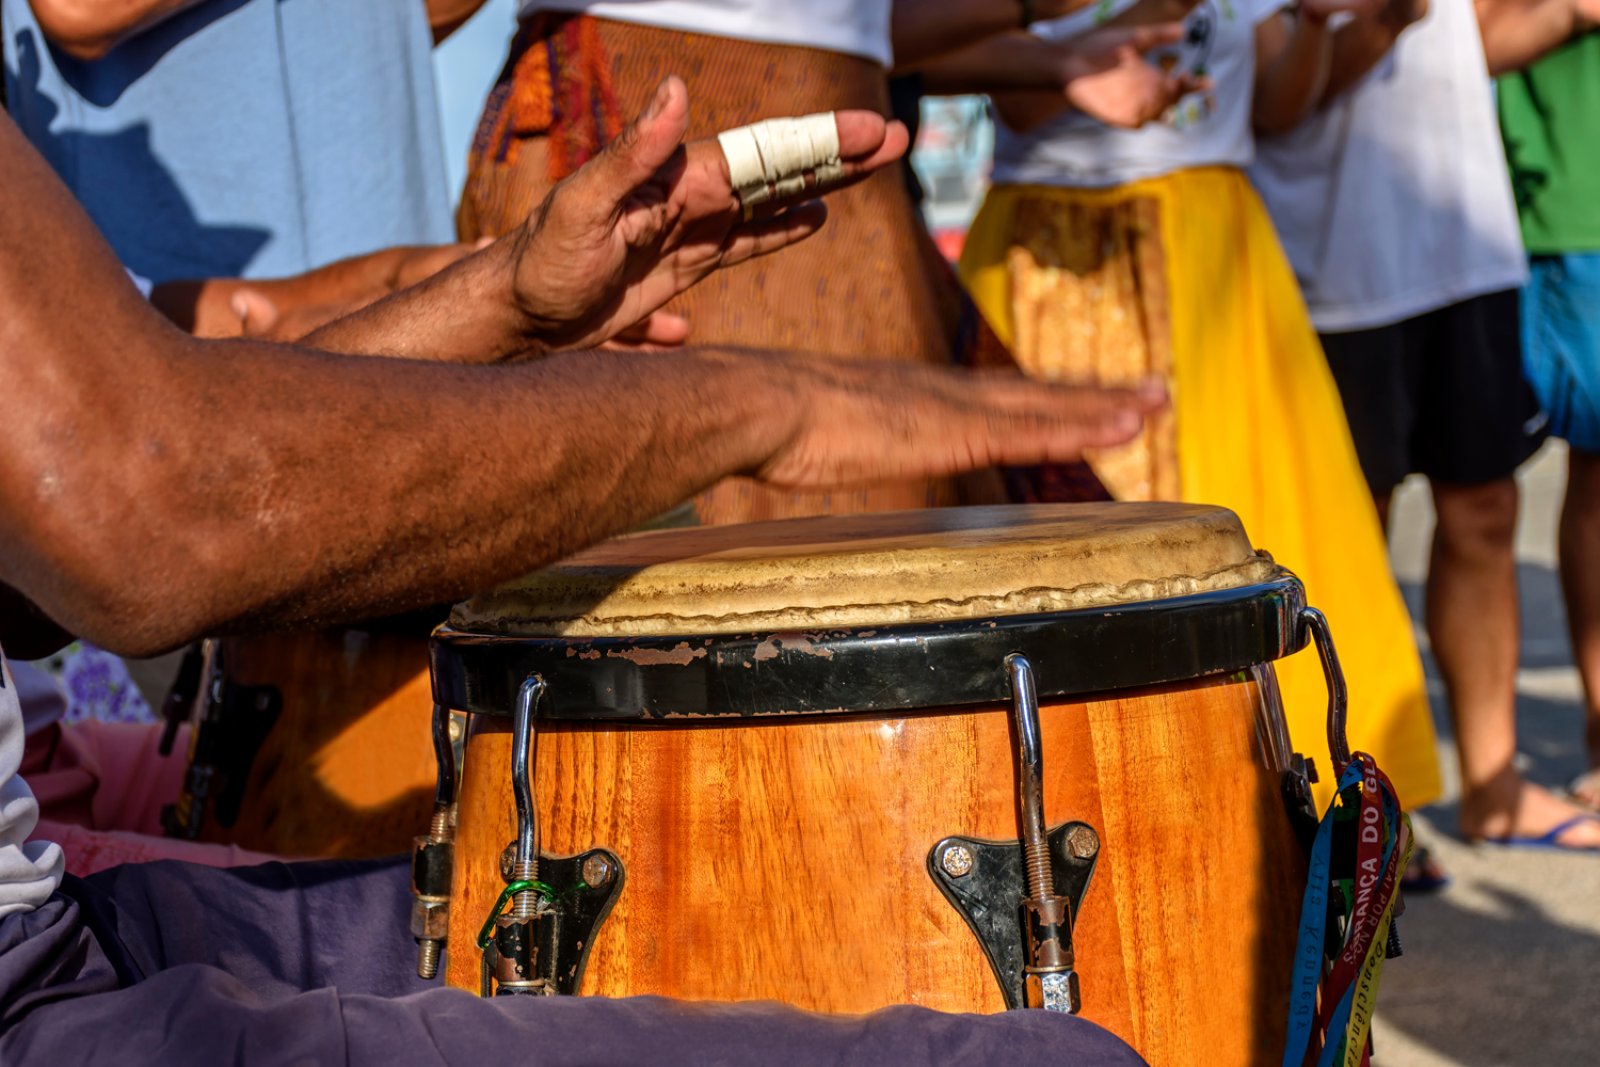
924, 31
1357, 47
476, 322
373, 486
201, 306
1012, 60
1292, 74
145, 474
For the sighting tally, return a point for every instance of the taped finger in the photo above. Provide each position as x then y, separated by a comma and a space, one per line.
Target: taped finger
770, 159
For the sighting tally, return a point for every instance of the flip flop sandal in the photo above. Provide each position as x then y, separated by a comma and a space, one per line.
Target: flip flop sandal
1419, 878
1549, 841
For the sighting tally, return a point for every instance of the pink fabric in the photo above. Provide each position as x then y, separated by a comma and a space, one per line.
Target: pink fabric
90, 851
101, 787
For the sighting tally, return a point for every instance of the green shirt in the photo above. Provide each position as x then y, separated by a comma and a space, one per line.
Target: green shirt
1550, 119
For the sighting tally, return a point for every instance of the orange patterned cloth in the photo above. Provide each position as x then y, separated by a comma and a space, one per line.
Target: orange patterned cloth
556, 84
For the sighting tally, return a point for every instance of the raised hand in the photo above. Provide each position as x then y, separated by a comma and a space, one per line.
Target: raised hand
1106, 76
651, 216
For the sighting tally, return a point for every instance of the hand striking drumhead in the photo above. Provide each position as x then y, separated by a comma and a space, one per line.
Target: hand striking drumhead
883, 569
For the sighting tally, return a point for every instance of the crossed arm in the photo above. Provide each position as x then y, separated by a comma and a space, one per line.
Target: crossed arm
155, 487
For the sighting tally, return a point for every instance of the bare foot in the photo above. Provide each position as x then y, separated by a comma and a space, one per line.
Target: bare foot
1585, 789
1532, 812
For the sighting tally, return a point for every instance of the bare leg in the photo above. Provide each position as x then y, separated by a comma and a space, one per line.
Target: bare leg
1580, 583
1423, 873
1472, 621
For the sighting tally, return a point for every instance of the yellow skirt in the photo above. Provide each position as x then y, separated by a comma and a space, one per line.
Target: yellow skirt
1182, 277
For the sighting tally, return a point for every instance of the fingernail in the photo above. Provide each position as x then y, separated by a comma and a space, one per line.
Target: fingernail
657, 102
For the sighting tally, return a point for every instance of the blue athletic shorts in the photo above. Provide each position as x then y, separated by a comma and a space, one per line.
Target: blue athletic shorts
1561, 343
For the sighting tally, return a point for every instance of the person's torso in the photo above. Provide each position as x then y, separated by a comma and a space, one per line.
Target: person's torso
1392, 201
1202, 129
255, 138
854, 27
1550, 118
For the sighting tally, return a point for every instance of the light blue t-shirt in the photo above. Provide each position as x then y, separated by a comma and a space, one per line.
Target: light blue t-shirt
248, 138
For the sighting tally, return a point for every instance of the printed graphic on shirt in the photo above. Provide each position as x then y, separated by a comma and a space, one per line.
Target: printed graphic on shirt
1192, 55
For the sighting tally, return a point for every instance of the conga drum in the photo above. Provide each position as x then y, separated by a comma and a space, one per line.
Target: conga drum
313, 743
972, 759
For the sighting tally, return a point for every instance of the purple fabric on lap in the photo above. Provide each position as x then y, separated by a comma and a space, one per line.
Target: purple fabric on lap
310, 963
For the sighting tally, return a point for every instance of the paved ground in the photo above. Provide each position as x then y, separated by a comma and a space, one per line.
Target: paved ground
1503, 966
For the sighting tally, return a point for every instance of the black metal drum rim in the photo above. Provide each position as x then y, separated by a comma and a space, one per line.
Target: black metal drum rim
890, 668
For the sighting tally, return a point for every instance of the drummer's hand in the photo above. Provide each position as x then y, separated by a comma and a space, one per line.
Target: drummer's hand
650, 216
861, 422
286, 309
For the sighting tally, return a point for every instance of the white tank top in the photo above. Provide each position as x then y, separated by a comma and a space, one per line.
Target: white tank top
29, 870
854, 27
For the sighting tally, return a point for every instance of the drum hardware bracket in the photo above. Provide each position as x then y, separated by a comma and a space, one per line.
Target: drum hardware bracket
178, 708
988, 894
556, 938
540, 946
433, 855
1298, 779
1315, 625
1040, 879
232, 722
1048, 978
514, 946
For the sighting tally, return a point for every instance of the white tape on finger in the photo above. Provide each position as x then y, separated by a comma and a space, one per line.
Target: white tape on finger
770, 159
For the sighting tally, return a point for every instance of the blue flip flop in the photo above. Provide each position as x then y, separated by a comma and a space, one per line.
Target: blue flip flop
1551, 839
1422, 882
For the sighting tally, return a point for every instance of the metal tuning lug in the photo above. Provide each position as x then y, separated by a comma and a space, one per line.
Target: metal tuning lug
514, 937
433, 856
1316, 626
1049, 981
539, 945
1021, 898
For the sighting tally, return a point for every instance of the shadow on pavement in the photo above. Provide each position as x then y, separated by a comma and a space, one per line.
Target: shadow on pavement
1490, 977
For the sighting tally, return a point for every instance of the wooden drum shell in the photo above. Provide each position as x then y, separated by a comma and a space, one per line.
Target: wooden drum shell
786, 860
348, 768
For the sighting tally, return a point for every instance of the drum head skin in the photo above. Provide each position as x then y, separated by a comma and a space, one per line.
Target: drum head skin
894, 568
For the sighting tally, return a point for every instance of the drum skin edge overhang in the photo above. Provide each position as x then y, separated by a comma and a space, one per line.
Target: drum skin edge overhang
902, 668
